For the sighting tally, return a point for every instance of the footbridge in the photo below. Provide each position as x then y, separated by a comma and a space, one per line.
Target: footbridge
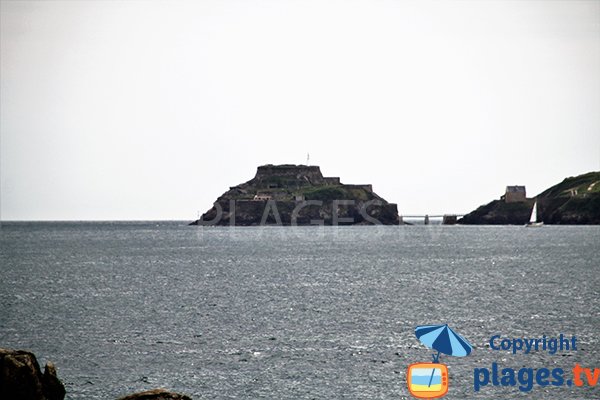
446, 219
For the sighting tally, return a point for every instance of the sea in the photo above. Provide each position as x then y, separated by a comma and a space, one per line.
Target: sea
299, 312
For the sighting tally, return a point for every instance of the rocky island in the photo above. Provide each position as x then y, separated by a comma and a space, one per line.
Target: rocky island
298, 195
574, 201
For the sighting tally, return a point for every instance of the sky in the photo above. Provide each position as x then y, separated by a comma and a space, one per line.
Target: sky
149, 110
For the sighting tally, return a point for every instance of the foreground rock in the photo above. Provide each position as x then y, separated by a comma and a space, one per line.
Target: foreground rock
574, 201
298, 195
156, 394
22, 379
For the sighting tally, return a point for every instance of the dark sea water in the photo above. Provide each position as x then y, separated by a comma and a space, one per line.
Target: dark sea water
293, 313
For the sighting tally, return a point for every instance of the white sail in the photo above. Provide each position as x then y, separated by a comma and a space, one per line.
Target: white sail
533, 218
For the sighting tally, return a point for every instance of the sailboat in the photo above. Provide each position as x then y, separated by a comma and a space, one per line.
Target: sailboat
533, 222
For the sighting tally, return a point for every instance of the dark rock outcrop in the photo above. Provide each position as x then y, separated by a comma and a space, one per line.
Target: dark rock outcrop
497, 212
22, 379
156, 394
298, 195
574, 201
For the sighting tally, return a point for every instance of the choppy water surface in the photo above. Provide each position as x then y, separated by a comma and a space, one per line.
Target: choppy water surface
291, 313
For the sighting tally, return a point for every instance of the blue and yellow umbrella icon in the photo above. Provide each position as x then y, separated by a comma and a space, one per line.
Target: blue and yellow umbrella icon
430, 380
443, 339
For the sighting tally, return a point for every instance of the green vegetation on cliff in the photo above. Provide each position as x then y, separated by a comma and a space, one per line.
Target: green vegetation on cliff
579, 186
330, 193
576, 200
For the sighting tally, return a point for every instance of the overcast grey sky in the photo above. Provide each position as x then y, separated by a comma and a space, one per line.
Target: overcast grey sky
152, 109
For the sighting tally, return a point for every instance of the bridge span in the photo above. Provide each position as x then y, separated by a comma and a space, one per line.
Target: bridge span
447, 219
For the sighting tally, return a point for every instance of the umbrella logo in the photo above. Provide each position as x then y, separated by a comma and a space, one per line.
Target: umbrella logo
430, 380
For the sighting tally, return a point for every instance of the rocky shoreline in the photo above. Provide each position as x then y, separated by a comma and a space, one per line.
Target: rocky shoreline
574, 201
22, 379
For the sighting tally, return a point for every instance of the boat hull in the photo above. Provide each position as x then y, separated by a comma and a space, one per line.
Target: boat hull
534, 224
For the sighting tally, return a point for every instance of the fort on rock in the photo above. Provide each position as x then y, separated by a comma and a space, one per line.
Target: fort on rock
298, 195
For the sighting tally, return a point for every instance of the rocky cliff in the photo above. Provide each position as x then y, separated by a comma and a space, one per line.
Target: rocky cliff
22, 379
298, 195
575, 200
